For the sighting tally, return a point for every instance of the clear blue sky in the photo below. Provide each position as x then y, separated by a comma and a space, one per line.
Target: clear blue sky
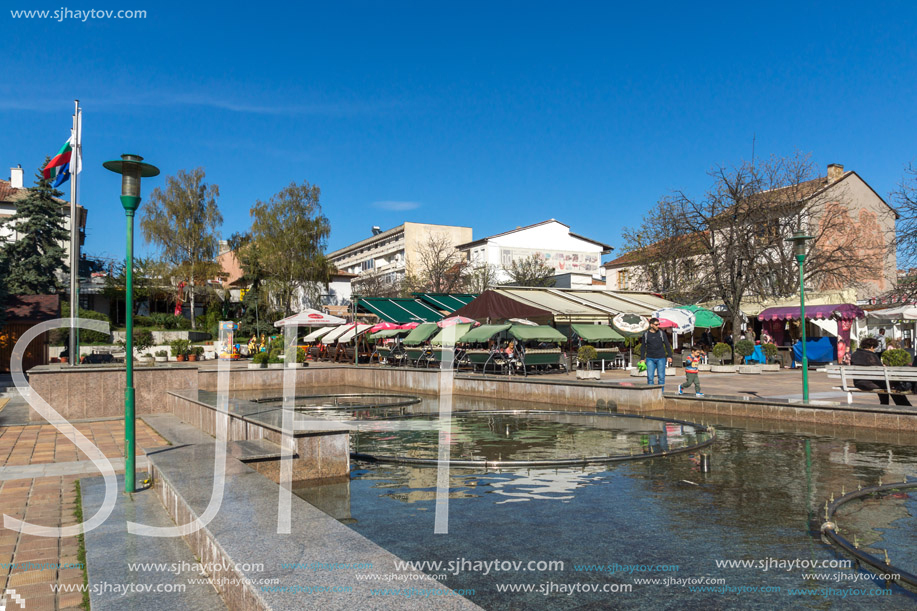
490, 115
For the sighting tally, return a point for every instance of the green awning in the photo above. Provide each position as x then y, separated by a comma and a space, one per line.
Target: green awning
388, 333
458, 330
541, 333
597, 333
449, 302
399, 310
483, 333
420, 334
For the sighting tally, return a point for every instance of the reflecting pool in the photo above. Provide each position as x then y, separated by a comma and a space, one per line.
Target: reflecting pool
659, 533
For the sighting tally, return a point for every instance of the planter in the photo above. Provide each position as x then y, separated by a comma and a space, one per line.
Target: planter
63, 360
192, 358
588, 374
722, 369
770, 367
180, 358
275, 365
636, 373
704, 367
750, 369
161, 359
256, 366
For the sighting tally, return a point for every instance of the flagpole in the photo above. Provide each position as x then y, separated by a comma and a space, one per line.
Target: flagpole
74, 238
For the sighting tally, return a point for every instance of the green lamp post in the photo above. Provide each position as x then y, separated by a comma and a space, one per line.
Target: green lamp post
132, 169
799, 240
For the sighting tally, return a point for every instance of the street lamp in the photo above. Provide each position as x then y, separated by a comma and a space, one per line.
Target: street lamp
132, 169
799, 240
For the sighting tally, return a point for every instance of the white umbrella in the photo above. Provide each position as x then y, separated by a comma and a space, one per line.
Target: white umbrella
310, 318
680, 321
630, 325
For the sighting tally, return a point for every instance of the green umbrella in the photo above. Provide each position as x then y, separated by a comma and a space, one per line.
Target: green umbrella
703, 318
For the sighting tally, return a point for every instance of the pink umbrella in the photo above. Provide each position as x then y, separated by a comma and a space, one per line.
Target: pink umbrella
456, 320
383, 326
665, 323
409, 325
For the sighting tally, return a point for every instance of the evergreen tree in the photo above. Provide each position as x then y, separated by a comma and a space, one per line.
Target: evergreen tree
35, 253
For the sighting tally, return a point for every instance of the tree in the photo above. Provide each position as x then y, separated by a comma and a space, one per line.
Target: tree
531, 271
289, 234
481, 277
34, 260
906, 239
734, 237
183, 220
4, 293
150, 280
376, 285
439, 267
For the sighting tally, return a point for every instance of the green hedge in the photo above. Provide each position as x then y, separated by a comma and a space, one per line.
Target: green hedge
61, 337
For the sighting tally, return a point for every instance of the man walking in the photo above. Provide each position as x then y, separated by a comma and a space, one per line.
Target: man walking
656, 351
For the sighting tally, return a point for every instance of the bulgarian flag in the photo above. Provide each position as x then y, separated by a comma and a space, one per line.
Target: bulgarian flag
59, 167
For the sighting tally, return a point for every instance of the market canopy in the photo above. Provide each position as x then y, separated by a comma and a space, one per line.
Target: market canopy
447, 302
420, 334
483, 333
335, 333
310, 318
496, 306
905, 312
454, 333
703, 318
386, 333
399, 310
596, 333
354, 330
837, 311
541, 333
317, 334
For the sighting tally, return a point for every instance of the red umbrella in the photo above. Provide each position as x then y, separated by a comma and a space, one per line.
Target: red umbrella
409, 325
383, 326
665, 323
456, 320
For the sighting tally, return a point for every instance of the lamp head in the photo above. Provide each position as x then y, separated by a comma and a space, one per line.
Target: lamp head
799, 240
132, 169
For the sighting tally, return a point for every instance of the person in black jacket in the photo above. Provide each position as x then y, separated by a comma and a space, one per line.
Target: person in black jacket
656, 351
866, 356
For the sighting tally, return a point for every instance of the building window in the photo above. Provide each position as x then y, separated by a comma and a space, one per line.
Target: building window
367, 265
623, 279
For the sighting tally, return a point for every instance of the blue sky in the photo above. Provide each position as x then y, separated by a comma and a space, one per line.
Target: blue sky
489, 115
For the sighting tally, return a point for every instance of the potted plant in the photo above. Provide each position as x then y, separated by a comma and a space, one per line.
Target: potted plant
584, 357
196, 353
179, 348
721, 351
770, 354
161, 356
275, 359
300, 359
745, 348
259, 361
896, 358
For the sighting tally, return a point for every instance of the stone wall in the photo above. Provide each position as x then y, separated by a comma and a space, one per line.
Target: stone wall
624, 397
98, 392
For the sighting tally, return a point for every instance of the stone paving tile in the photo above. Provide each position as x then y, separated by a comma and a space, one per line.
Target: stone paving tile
36, 561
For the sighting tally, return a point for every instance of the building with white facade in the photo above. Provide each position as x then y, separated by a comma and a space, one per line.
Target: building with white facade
389, 254
13, 191
576, 260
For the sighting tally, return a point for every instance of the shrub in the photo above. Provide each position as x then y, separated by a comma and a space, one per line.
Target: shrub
61, 337
300, 355
143, 340
745, 348
586, 354
143, 321
161, 353
276, 343
179, 347
276, 356
198, 351
260, 358
896, 358
853, 345
722, 350
169, 321
770, 351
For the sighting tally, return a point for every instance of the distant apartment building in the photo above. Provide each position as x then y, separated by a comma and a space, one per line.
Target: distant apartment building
867, 221
387, 255
13, 191
576, 260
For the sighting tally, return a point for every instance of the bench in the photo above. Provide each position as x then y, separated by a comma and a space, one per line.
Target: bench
849, 373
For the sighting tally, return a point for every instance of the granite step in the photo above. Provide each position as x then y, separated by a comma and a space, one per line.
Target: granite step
176, 583
253, 450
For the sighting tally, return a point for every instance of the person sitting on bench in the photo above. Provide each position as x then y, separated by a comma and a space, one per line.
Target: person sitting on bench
866, 356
